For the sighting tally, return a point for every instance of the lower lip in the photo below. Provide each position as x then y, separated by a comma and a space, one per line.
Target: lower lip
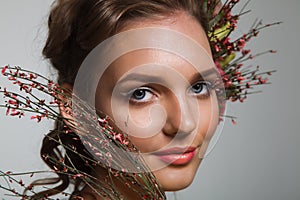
177, 159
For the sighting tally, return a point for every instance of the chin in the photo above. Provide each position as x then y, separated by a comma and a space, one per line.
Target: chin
175, 186
174, 178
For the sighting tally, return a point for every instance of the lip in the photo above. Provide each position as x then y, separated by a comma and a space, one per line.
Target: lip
176, 155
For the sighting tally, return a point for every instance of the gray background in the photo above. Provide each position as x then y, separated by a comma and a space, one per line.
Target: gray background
258, 158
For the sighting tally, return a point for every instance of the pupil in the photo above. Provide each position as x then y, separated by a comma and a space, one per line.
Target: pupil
198, 87
139, 94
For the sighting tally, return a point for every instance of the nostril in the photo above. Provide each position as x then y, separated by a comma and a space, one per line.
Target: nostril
189, 116
187, 125
181, 120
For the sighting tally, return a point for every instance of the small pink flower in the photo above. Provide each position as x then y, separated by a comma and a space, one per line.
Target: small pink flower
233, 122
4, 69
15, 113
7, 110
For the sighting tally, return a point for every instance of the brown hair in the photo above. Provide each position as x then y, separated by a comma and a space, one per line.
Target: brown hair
75, 28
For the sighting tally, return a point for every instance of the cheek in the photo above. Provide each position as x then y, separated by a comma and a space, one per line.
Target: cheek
142, 121
208, 122
144, 126
140, 116
208, 115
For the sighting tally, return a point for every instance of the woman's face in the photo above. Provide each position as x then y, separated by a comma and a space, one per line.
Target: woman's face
167, 106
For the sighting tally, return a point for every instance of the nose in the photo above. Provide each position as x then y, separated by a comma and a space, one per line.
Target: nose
181, 116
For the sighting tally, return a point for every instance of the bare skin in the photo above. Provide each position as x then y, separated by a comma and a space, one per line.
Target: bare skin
195, 130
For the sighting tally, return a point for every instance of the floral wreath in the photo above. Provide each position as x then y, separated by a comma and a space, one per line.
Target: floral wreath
238, 80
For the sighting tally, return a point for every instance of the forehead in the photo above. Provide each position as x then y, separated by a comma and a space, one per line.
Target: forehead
180, 21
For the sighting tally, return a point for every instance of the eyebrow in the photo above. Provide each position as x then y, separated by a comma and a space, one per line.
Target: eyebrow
204, 74
146, 78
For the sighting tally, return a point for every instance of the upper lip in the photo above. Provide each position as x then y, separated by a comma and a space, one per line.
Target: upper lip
176, 150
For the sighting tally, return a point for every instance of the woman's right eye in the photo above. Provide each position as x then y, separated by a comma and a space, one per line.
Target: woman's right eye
141, 95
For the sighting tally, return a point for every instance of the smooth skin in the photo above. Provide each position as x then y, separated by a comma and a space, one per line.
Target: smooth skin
187, 106
180, 119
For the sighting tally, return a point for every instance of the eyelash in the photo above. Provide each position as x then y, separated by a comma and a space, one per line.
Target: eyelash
206, 86
146, 91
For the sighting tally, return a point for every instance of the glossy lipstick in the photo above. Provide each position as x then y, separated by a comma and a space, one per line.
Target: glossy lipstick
177, 155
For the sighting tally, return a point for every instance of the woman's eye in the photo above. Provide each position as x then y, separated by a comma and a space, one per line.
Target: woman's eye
201, 89
141, 95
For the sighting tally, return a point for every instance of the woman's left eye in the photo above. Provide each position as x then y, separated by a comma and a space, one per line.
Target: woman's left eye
201, 88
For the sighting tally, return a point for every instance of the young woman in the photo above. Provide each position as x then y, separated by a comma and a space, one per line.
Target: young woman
163, 97
144, 87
